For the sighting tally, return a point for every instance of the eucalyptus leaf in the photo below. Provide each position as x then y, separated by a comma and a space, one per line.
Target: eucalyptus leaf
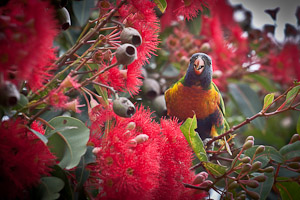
193, 138
265, 82
39, 135
161, 4
66, 192
69, 144
291, 151
298, 126
215, 169
265, 187
288, 190
49, 188
268, 100
248, 102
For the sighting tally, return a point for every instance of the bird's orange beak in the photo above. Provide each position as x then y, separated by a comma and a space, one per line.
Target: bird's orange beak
199, 66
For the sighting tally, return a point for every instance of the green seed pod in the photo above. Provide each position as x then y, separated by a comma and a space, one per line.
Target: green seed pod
254, 195
64, 18
255, 166
233, 185
9, 94
246, 159
123, 107
151, 88
251, 183
131, 36
246, 168
294, 165
269, 169
295, 138
248, 144
260, 149
261, 178
126, 54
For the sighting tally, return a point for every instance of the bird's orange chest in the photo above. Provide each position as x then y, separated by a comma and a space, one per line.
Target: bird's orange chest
184, 102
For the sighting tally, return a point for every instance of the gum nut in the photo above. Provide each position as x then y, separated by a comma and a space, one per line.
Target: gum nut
159, 105
64, 18
126, 54
9, 94
123, 107
141, 138
131, 36
151, 88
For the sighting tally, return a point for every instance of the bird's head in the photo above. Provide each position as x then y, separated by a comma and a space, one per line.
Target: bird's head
199, 72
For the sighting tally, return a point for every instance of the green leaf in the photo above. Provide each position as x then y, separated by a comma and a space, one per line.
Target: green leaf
290, 151
265, 82
268, 100
39, 135
193, 138
270, 153
23, 101
298, 126
69, 144
215, 169
82, 10
248, 102
291, 95
288, 190
49, 188
264, 188
66, 192
161, 4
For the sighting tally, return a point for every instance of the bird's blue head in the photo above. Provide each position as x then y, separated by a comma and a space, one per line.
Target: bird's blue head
199, 72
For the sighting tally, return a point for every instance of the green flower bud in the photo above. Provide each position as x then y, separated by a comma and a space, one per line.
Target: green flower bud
246, 159
126, 54
260, 149
251, 183
269, 169
261, 178
123, 107
131, 36
233, 185
248, 144
294, 165
255, 166
249, 138
246, 168
254, 195
295, 138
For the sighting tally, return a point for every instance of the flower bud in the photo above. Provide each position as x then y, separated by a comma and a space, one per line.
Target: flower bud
261, 178
202, 176
126, 54
233, 185
248, 144
269, 169
131, 36
256, 166
141, 138
159, 105
9, 94
131, 126
123, 107
206, 184
260, 149
64, 18
246, 168
96, 150
252, 194
249, 138
241, 197
250, 183
151, 88
295, 138
246, 159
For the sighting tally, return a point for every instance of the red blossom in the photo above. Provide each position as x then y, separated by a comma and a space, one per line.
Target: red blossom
57, 98
28, 30
24, 158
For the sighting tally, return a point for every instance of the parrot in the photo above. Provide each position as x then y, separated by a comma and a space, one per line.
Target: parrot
196, 93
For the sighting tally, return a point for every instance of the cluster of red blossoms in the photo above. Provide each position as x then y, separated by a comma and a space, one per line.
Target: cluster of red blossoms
24, 158
137, 158
26, 40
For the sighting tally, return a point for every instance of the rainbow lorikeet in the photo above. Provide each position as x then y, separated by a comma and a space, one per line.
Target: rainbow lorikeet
196, 93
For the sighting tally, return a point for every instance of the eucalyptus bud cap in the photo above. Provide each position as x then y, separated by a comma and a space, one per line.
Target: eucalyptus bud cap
9, 94
131, 36
295, 138
261, 178
64, 18
141, 138
249, 138
96, 150
131, 126
252, 194
260, 149
123, 107
233, 185
246, 159
248, 144
256, 165
126, 54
